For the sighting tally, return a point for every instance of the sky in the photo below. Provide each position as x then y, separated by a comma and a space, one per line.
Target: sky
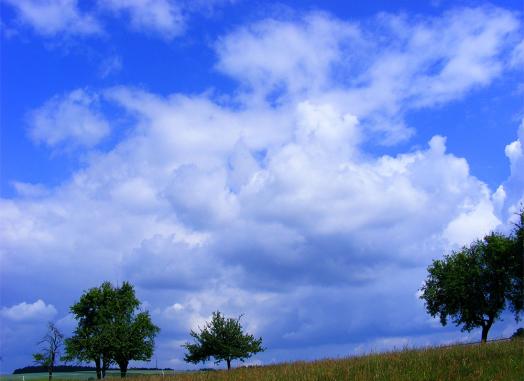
297, 162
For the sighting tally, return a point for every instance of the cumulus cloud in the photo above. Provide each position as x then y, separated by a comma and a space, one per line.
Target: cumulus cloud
514, 186
69, 119
274, 204
29, 311
52, 17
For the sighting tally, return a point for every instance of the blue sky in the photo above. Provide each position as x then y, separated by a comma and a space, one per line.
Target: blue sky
298, 162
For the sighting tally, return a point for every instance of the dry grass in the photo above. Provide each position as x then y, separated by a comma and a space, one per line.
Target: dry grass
502, 361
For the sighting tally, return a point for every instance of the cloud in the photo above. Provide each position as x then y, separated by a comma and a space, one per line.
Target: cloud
272, 203
296, 56
71, 119
29, 311
514, 187
29, 190
52, 17
377, 76
164, 17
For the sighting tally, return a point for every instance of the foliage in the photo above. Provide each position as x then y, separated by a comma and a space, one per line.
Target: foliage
110, 329
89, 342
223, 339
516, 294
51, 346
473, 286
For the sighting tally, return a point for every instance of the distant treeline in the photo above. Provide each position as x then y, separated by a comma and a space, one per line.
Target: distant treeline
70, 368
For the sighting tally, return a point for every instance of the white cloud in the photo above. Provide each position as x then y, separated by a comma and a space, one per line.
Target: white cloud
273, 53
376, 76
164, 17
514, 186
51, 17
269, 207
514, 151
29, 311
71, 119
478, 221
29, 190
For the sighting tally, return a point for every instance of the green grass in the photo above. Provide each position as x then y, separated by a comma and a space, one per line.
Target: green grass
502, 361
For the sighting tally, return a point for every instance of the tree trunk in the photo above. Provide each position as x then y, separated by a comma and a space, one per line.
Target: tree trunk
105, 366
51, 366
485, 329
97, 365
123, 368
228, 364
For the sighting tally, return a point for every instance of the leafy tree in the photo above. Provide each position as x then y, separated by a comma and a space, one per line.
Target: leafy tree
132, 335
516, 295
224, 340
51, 346
110, 329
90, 340
473, 286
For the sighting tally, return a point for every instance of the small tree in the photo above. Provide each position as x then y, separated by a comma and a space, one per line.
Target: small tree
51, 346
472, 287
222, 339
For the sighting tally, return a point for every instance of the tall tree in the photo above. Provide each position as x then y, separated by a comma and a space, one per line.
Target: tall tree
90, 341
110, 329
132, 334
516, 295
473, 286
224, 340
51, 346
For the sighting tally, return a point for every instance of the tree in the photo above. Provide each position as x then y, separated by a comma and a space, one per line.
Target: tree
473, 286
51, 346
90, 341
110, 329
516, 295
132, 335
224, 340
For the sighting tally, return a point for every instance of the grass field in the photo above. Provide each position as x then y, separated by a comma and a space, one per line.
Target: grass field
503, 361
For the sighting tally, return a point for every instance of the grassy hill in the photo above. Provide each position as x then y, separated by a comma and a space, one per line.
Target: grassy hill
503, 360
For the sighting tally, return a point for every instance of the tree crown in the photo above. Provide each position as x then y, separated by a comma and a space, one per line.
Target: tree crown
223, 339
471, 287
110, 327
